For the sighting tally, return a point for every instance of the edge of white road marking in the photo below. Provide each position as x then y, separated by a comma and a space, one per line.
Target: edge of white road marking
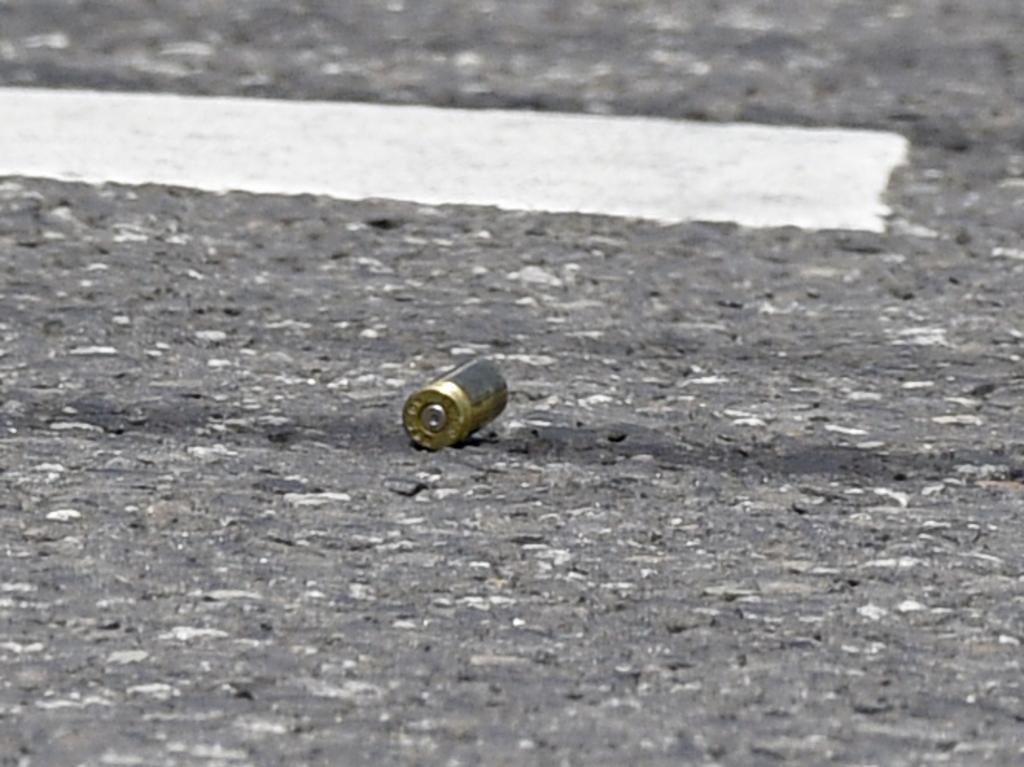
642, 167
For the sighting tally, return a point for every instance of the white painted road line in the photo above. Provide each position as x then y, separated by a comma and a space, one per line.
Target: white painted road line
650, 168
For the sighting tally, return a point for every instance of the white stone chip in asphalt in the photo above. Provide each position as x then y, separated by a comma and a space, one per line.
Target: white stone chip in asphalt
649, 168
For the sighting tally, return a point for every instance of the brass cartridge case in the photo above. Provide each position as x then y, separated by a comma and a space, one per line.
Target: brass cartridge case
446, 411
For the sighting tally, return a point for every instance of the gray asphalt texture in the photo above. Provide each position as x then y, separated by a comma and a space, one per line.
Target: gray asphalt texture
758, 494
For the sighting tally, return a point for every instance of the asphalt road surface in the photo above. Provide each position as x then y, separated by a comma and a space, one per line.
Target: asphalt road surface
758, 496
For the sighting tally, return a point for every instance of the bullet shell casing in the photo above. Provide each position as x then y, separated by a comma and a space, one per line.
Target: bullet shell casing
449, 409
